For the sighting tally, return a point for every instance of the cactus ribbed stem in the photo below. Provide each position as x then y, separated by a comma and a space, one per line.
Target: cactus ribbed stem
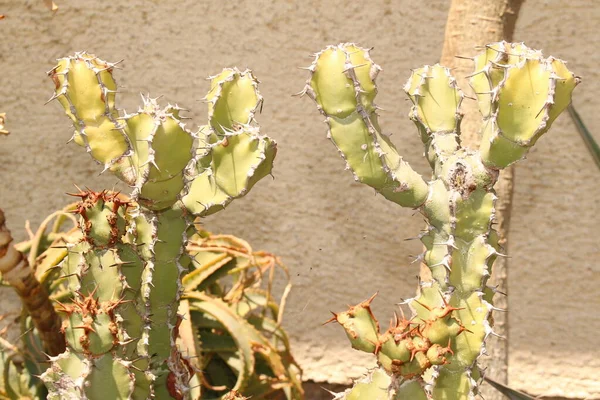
344, 94
434, 354
125, 274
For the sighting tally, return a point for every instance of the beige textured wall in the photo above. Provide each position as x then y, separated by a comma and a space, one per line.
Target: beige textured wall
341, 241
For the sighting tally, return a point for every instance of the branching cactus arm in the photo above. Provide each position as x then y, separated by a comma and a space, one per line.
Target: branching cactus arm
343, 86
433, 355
126, 272
520, 94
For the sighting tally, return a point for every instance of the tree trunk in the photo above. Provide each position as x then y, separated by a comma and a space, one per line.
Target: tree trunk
16, 271
473, 23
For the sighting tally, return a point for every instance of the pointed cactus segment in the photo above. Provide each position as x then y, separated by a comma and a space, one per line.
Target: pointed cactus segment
162, 148
436, 102
233, 100
84, 86
343, 77
454, 385
361, 326
379, 385
520, 94
232, 154
342, 83
102, 217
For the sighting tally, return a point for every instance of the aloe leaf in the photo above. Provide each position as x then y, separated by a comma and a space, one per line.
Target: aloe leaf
586, 135
236, 327
508, 392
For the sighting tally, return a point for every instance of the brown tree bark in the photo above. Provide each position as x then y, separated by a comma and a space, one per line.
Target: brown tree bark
473, 23
16, 271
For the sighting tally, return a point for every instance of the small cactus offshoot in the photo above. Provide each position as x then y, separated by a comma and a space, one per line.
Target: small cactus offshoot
434, 353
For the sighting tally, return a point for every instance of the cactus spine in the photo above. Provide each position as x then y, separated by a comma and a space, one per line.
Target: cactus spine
434, 354
126, 272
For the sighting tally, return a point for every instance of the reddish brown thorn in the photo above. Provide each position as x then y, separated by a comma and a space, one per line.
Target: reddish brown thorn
377, 346
416, 331
412, 354
63, 308
334, 318
463, 329
422, 305
394, 322
370, 299
81, 195
85, 328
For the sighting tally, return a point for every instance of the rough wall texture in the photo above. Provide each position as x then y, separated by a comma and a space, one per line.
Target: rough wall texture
341, 241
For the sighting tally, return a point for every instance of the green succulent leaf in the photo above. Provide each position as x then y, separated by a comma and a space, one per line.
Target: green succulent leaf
586, 135
512, 394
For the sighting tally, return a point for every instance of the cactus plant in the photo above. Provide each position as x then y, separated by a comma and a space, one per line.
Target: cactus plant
434, 353
232, 335
124, 273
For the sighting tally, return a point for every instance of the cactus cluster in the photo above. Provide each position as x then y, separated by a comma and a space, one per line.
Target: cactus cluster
125, 272
434, 353
231, 335
152, 306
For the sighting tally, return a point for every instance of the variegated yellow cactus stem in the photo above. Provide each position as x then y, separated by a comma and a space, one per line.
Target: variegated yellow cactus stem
434, 354
126, 272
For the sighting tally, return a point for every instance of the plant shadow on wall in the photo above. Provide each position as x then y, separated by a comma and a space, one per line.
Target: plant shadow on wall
434, 353
127, 296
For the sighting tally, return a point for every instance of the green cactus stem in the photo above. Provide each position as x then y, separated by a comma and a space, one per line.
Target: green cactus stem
125, 273
433, 355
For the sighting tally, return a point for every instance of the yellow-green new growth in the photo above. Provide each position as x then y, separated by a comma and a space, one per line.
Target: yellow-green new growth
344, 95
434, 354
125, 274
520, 94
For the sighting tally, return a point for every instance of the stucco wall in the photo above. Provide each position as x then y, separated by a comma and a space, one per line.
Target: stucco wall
341, 241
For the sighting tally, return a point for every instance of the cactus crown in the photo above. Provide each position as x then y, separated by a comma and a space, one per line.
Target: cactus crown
433, 355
